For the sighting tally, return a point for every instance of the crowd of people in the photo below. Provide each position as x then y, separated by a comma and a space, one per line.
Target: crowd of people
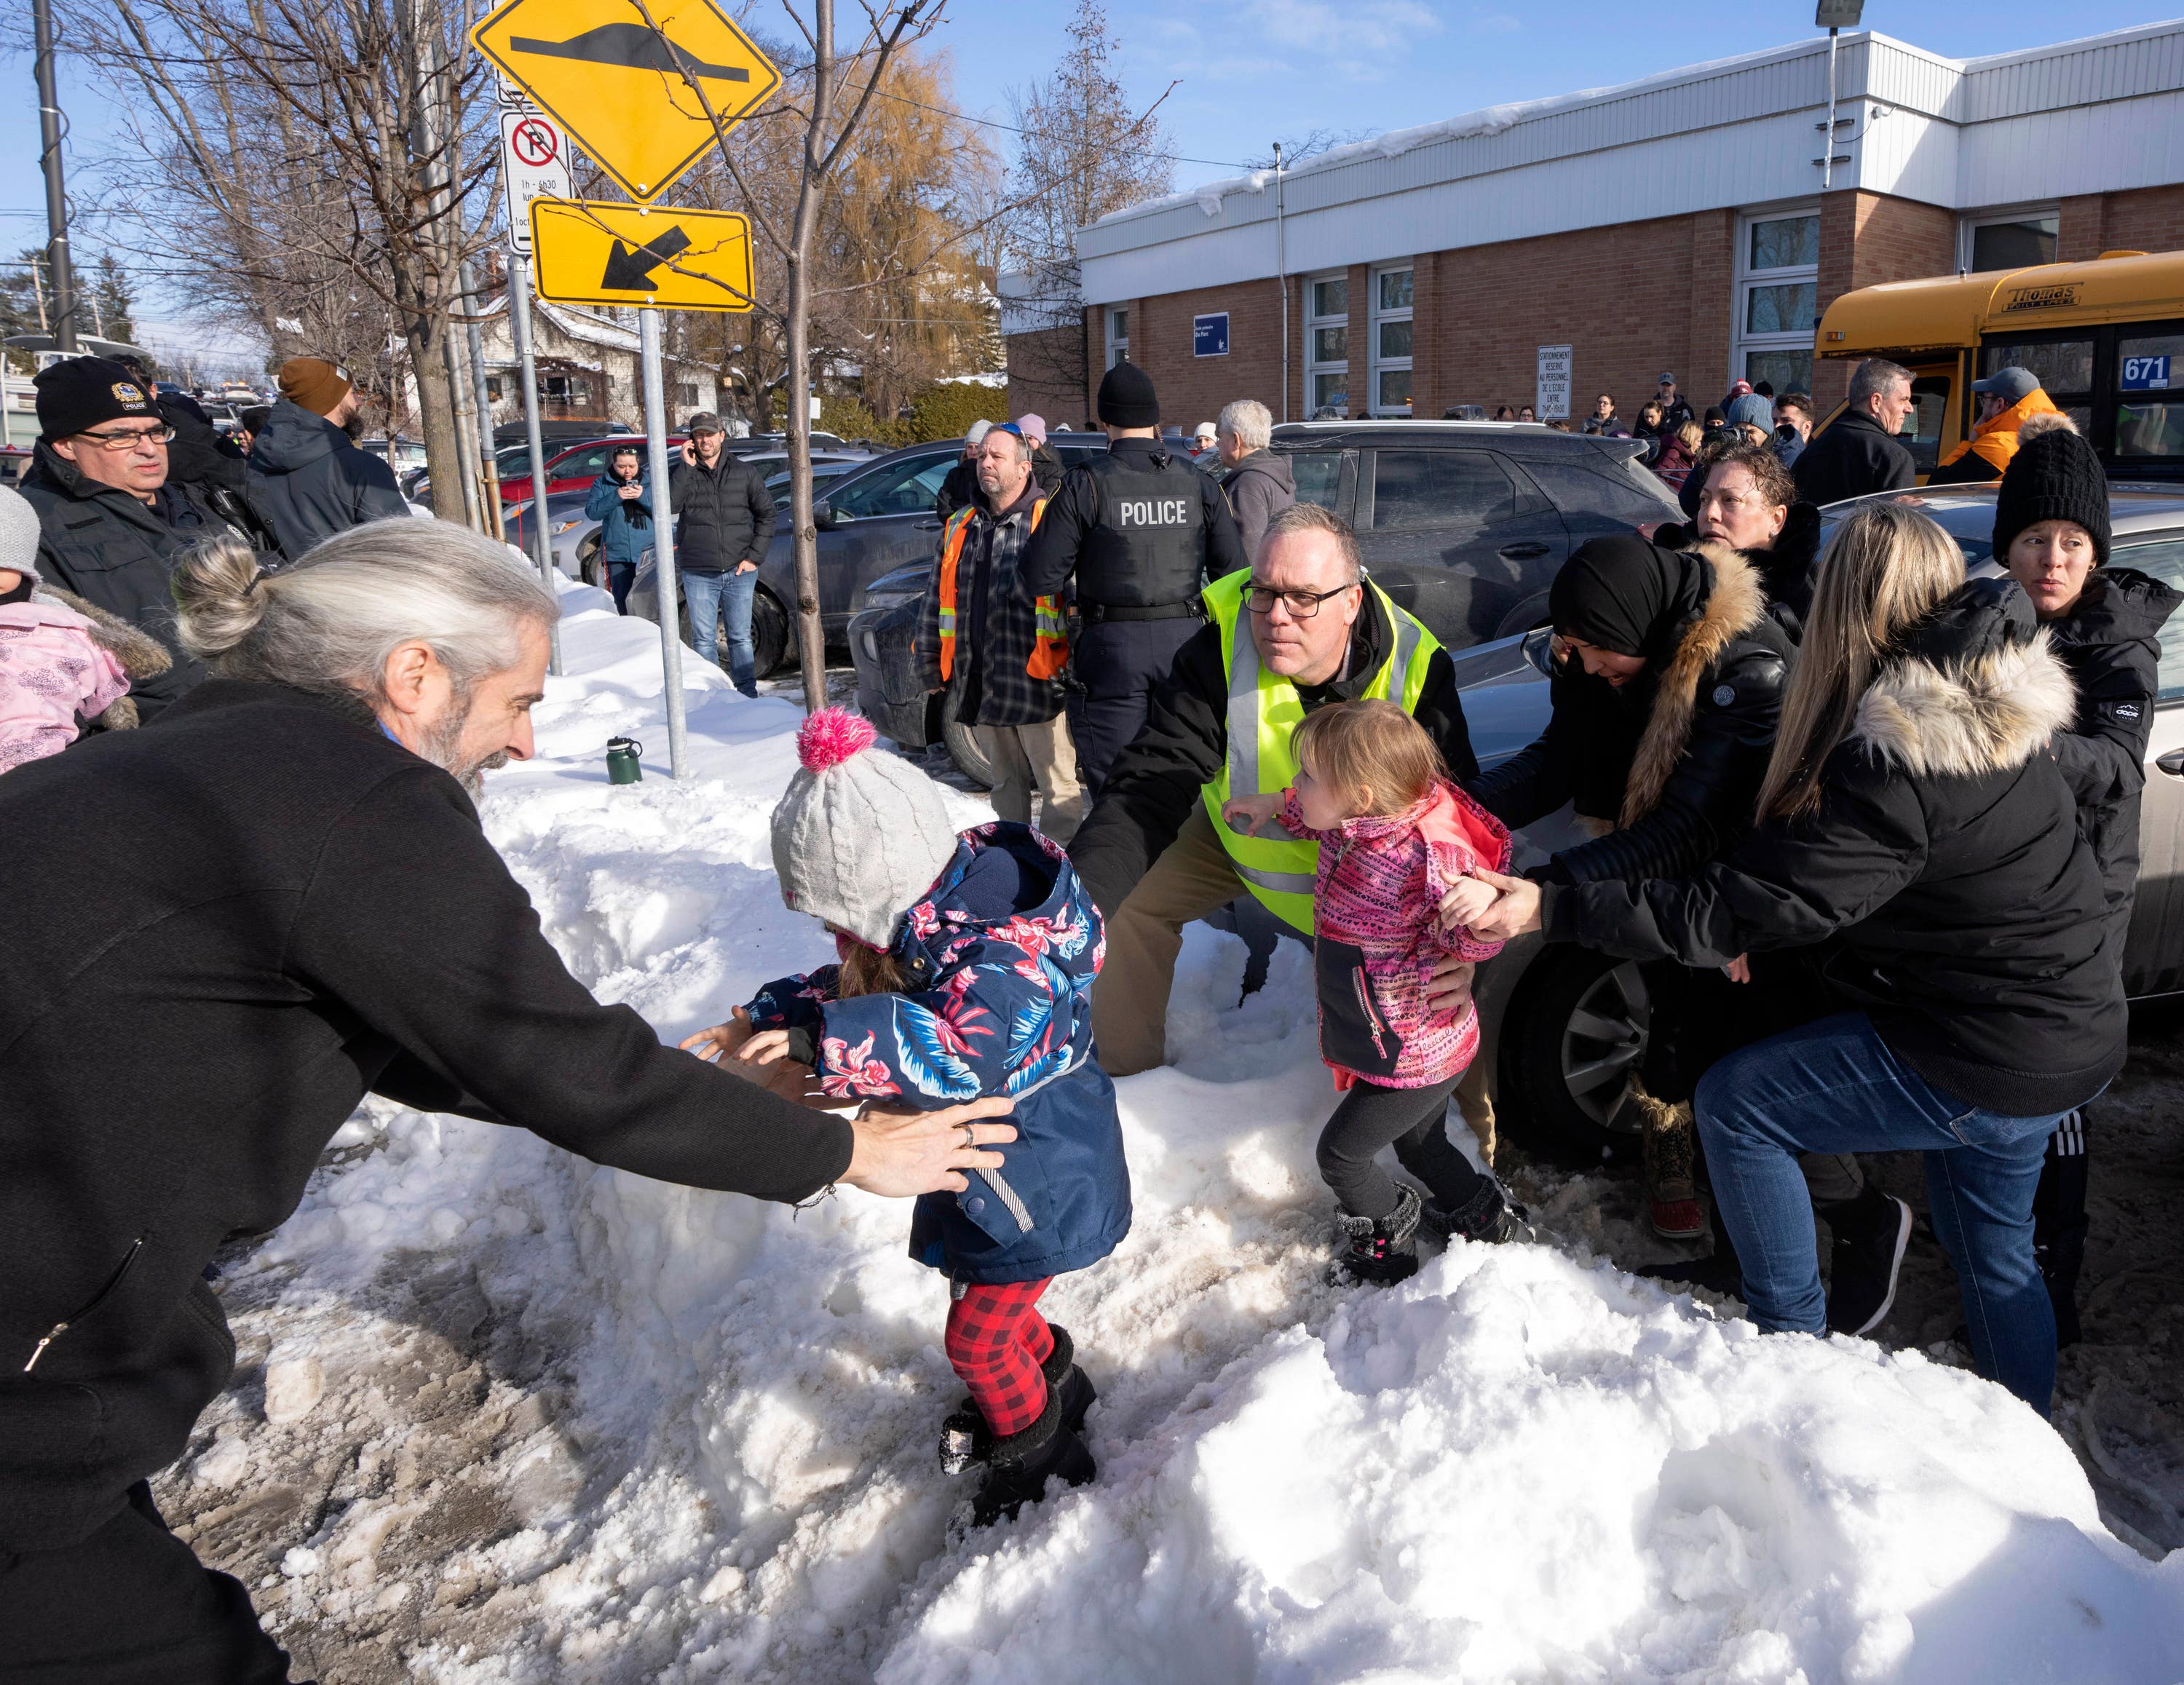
1871, 825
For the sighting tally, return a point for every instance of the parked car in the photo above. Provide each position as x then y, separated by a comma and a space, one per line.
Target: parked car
875, 519
1462, 523
14, 464
566, 527
824, 473
1564, 1028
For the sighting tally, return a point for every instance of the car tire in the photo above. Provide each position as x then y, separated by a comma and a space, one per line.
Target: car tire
969, 758
770, 641
1574, 1035
592, 571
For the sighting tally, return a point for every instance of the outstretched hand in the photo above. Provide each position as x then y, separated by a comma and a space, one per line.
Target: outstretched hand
722, 1041
902, 1154
1466, 902
1515, 911
1246, 815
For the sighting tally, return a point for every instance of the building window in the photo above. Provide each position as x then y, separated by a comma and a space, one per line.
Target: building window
1327, 345
2008, 240
686, 395
493, 389
1118, 336
1391, 341
1777, 303
569, 389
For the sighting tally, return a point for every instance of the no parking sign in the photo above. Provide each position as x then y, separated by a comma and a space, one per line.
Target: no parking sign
534, 164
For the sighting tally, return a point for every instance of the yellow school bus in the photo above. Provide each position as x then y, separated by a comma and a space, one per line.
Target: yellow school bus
2105, 338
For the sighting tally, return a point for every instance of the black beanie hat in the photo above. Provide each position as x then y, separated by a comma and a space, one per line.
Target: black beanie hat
1127, 397
2054, 477
85, 392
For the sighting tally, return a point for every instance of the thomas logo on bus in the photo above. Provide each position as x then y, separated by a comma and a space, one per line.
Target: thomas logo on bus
2041, 298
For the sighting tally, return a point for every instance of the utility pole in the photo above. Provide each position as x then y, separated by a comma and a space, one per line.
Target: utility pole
1282, 278
49, 157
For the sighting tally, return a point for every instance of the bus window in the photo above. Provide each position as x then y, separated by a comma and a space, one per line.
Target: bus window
2150, 396
2064, 367
1929, 415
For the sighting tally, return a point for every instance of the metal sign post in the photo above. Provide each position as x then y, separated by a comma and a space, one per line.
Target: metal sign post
541, 543
663, 535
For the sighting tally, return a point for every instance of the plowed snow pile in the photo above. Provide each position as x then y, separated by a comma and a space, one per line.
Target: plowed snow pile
564, 1424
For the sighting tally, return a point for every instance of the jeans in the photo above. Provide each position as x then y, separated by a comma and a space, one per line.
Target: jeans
1834, 1087
620, 576
724, 599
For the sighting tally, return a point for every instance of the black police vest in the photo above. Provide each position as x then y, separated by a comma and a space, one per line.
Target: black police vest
1149, 545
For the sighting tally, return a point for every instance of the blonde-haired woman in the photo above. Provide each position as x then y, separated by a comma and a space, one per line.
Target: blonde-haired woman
1912, 812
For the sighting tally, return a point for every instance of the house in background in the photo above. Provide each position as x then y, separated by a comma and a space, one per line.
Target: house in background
587, 369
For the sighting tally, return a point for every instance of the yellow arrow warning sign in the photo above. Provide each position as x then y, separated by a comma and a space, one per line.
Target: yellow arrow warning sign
634, 96
592, 252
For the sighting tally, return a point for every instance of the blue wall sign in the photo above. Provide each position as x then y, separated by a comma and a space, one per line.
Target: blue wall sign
1209, 336
2140, 374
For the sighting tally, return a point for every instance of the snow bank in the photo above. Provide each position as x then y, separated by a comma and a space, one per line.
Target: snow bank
1520, 1466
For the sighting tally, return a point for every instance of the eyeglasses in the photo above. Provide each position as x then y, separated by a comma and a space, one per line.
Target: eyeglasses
1302, 605
129, 441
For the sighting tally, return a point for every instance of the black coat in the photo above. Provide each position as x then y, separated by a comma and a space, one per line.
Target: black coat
1154, 782
1849, 457
723, 514
308, 480
1671, 762
1786, 569
1074, 511
958, 488
2109, 642
1944, 858
111, 550
247, 917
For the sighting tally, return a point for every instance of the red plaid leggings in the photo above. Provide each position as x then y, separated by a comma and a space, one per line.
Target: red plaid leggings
997, 1342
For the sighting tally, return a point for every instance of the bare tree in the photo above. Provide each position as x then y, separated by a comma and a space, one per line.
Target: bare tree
1082, 156
300, 157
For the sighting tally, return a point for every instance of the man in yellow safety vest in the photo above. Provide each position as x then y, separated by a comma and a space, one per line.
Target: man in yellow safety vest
997, 654
1301, 628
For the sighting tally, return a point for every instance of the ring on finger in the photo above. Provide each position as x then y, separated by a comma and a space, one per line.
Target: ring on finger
970, 1136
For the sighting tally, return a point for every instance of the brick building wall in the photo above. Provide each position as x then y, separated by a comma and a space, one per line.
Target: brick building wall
1632, 300
1867, 239
2145, 220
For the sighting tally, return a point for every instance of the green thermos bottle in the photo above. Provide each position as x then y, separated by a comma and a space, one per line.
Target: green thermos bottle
623, 765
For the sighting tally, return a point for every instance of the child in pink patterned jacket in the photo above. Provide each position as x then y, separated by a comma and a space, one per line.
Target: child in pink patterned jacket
1396, 836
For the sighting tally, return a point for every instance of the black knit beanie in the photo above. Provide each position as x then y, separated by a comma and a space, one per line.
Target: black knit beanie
85, 392
1127, 397
2055, 476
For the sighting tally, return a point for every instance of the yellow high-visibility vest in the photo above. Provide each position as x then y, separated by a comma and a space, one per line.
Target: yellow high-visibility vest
1264, 709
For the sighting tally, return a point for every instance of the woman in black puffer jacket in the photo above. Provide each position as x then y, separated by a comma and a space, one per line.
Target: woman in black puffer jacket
2051, 530
1669, 675
1911, 811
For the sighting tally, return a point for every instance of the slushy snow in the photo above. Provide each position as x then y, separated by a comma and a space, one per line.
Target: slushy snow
718, 1460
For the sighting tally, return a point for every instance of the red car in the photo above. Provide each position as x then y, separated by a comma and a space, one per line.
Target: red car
570, 469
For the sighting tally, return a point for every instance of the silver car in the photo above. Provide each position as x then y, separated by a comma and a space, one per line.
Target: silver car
1563, 1028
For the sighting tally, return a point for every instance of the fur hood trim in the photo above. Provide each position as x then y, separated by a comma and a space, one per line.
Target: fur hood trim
1734, 606
141, 655
1961, 718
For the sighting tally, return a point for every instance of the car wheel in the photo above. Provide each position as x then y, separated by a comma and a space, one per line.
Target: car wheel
970, 759
769, 639
1576, 1033
589, 566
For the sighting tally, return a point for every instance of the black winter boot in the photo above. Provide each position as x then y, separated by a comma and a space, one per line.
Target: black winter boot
965, 1440
1020, 1464
1487, 1217
1382, 1250
2060, 1225
1870, 1233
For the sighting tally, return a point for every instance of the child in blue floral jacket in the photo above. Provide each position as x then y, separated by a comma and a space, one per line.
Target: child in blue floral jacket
967, 965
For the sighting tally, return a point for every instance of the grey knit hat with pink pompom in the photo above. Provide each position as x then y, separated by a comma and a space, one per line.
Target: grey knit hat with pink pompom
858, 836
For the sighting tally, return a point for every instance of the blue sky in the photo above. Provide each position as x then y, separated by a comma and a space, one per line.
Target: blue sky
1248, 74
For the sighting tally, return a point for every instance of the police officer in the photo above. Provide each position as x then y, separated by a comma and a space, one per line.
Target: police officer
1143, 529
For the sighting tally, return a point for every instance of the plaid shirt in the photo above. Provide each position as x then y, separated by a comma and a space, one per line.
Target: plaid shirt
995, 624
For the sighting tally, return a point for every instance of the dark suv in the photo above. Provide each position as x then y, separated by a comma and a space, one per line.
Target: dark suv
1465, 523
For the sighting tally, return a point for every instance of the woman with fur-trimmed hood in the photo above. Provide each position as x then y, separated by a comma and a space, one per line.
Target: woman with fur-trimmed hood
1669, 670
1912, 812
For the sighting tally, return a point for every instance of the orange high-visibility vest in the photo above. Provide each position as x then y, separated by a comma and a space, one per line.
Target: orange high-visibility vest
1049, 649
